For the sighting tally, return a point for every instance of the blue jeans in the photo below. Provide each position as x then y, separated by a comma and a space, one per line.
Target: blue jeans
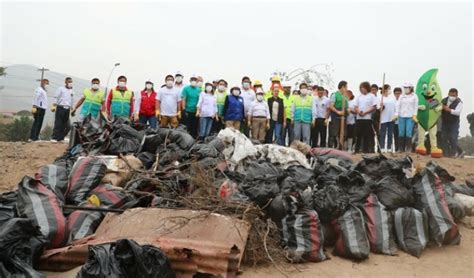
277, 132
405, 127
386, 129
150, 119
205, 124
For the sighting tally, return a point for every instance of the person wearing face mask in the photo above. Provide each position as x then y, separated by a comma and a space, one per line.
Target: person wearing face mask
406, 111
190, 97
276, 83
320, 117
386, 105
145, 106
277, 118
288, 100
365, 105
178, 83
397, 92
234, 109
40, 104
206, 111
120, 103
259, 117
168, 104
221, 94
452, 107
63, 100
91, 102
248, 94
351, 115
302, 114
338, 106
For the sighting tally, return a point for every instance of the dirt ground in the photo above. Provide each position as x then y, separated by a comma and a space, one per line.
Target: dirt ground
19, 159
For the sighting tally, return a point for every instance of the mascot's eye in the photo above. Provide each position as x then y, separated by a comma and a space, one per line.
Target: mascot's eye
425, 87
433, 88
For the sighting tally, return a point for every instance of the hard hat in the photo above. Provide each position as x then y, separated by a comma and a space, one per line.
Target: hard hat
178, 73
257, 83
276, 78
407, 85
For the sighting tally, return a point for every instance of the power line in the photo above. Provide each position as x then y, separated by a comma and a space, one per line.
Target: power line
42, 73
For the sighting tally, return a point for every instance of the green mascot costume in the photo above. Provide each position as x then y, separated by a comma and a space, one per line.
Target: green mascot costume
429, 111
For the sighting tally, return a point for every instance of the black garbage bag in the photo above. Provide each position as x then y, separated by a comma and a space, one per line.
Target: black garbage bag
113, 197
411, 229
442, 173
303, 237
217, 143
8, 209
125, 258
261, 170
303, 177
204, 150
430, 196
467, 189
378, 167
327, 173
171, 153
85, 176
330, 202
379, 227
21, 244
37, 203
355, 184
184, 140
153, 141
392, 194
83, 223
352, 241
55, 178
147, 159
260, 191
124, 140
456, 209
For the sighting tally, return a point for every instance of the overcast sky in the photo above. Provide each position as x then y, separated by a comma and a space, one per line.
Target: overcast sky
232, 39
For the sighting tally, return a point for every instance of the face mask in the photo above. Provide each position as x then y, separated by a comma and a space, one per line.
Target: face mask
208, 89
169, 83
221, 88
149, 86
303, 92
246, 85
199, 84
235, 92
450, 98
179, 79
69, 85
95, 86
46, 87
193, 83
406, 91
260, 98
122, 84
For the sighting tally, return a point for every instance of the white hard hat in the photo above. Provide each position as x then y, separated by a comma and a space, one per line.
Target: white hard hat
407, 85
178, 73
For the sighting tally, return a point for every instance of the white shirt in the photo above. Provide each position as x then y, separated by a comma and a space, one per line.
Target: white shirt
457, 110
207, 105
407, 106
390, 104
320, 107
259, 109
351, 117
365, 103
169, 98
41, 98
249, 97
64, 96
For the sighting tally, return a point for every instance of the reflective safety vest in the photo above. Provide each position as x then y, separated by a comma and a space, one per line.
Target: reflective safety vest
220, 102
288, 103
120, 103
269, 94
92, 103
304, 109
338, 102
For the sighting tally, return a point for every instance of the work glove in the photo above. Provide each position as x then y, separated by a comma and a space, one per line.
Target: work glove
414, 119
314, 123
197, 113
135, 117
179, 115
34, 110
284, 124
216, 117
438, 108
326, 122
157, 113
73, 112
268, 126
421, 107
394, 118
53, 108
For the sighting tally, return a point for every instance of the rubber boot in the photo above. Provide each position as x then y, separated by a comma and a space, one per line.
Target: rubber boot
408, 144
401, 144
349, 145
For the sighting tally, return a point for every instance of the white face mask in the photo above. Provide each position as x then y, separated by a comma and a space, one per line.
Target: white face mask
245, 85
179, 79
450, 98
193, 83
208, 89
169, 83
303, 92
69, 85
259, 98
46, 86
221, 88
235, 92
149, 86
122, 84
95, 86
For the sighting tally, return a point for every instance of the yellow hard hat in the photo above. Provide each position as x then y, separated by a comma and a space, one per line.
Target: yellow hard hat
257, 83
276, 78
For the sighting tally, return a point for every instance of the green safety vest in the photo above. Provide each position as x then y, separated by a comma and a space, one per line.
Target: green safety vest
220, 97
121, 103
288, 103
303, 109
269, 94
92, 103
338, 103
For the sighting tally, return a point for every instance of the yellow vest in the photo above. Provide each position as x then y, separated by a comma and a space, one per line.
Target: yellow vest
121, 103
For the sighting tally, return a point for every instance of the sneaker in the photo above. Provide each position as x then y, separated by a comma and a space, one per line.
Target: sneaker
461, 155
53, 141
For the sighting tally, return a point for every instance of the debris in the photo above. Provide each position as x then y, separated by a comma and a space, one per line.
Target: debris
86, 174
411, 228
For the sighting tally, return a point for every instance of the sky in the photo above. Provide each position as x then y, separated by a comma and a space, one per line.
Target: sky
231, 39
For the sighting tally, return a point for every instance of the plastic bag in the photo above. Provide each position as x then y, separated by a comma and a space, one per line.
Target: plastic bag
303, 237
8, 209
260, 191
83, 223
184, 140
55, 178
260, 170
85, 176
147, 159
125, 258
204, 150
392, 194
352, 241
411, 229
20, 245
111, 196
466, 202
355, 184
379, 227
38, 203
330, 202
124, 140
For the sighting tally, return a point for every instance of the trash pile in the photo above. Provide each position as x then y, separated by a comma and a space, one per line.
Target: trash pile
129, 201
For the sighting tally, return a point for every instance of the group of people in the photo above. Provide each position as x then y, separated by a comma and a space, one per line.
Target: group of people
376, 118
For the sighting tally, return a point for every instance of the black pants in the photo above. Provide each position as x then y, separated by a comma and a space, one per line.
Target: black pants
288, 131
192, 123
395, 137
334, 132
319, 132
37, 123
61, 123
365, 136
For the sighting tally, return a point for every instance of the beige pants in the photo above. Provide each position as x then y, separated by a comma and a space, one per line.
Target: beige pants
172, 120
259, 128
234, 124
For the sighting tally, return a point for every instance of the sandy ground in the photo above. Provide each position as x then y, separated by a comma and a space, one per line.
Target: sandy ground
19, 159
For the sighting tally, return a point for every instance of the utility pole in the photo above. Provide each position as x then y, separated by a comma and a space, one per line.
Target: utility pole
42, 73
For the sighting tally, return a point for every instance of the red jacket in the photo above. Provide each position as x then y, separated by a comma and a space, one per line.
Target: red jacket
147, 103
